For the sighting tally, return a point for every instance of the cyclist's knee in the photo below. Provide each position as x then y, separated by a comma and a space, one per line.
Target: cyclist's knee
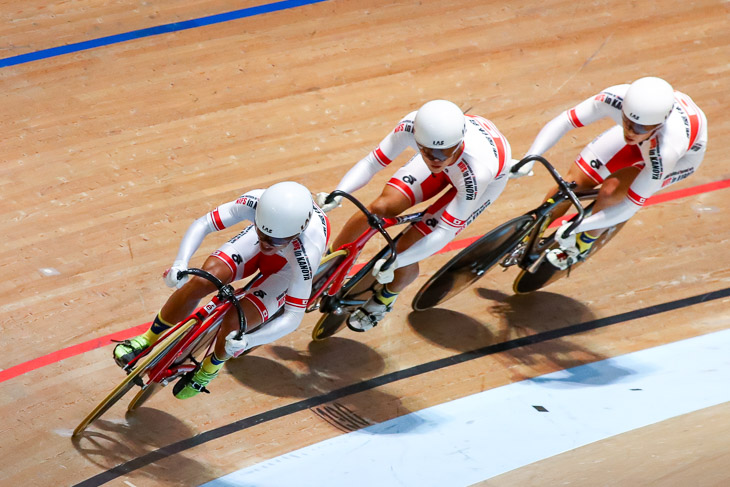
390, 203
611, 192
384, 207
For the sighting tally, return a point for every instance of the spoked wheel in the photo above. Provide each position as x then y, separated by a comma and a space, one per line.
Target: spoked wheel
547, 273
134, 376
334, 321
472, 262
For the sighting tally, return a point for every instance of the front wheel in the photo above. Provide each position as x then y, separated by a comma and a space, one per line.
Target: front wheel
134, 376
342, 304
472, 262
547, 273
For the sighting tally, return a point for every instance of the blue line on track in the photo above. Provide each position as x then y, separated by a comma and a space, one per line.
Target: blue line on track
153, 31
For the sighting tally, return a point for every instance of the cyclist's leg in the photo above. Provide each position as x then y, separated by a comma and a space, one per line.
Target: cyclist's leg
415, 183
609, 161
410, 185
390, 203
375, 309
613, 163
405, 275
259, 304
606, 154
230, 262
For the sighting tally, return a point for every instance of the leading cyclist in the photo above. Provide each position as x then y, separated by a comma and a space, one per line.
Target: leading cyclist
285, 243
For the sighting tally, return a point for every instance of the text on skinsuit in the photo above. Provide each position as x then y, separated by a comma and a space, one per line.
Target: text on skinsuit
302, 260
469, 185
612, 100
655, 158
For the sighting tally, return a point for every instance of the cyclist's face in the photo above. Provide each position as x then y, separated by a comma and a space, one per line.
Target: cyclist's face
438, 159
635, 133
271, 245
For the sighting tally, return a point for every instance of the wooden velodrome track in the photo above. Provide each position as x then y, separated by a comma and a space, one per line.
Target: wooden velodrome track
109, 153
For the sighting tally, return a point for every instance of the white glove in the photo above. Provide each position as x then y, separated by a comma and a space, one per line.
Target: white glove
568, 243
170, 274
386, 276
525, 170
336, 202
234, 347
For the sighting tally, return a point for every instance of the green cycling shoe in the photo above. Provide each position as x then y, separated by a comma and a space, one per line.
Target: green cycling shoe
193, 383
125, 351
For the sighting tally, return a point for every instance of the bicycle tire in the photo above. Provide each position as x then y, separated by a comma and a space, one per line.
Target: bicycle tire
546, 273
332, 323
471, 263
147, 362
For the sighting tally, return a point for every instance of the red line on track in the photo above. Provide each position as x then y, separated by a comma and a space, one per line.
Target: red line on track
95, 343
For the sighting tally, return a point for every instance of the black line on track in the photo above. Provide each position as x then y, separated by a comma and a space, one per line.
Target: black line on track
367, 385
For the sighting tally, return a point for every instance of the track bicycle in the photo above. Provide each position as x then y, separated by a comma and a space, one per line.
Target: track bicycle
336, 296
520, 241
177, 352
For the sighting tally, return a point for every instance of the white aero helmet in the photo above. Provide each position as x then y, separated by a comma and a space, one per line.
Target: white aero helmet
648, 101
284, 210
439, 124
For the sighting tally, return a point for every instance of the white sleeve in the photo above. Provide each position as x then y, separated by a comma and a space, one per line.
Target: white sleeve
550, 134
427, 246
222, 217
390, 147
360, 174
584, 113
193, 238
276, 328
609, 217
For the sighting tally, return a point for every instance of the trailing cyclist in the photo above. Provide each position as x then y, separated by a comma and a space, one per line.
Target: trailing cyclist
285, 243
660, 139
465, 153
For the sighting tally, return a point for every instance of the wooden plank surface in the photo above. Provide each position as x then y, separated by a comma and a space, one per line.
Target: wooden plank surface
110, 153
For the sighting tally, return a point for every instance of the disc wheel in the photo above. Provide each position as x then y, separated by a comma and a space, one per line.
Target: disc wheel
471, 263
134, 376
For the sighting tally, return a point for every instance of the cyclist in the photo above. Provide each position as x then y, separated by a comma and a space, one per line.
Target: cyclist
660, 139
285, 243
464, 153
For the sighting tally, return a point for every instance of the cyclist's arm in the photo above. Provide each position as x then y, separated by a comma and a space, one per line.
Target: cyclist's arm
647, 182
584, 113
608, 217
428, 245
390, 147
301, 285
244, 208
302, 262
276, 328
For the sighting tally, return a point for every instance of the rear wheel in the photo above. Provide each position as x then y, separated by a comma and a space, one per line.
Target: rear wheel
354, 297
327, 266
472, 262
134, 376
